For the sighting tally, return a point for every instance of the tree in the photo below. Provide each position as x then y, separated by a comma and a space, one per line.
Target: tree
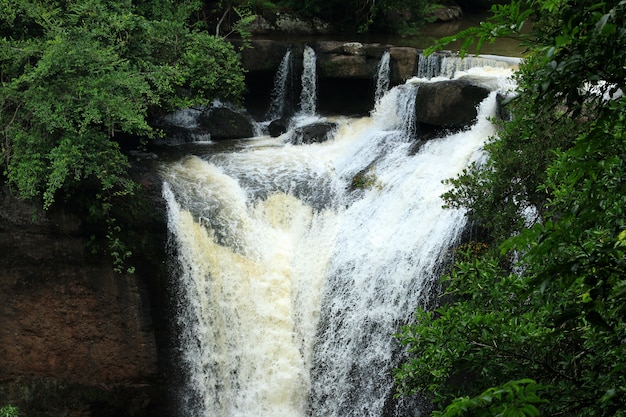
545, 304
81, 76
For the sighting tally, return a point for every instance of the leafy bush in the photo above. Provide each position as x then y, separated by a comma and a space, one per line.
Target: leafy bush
546, 303
9, 411
82, 77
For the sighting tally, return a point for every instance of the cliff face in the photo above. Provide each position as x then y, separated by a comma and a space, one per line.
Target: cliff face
76, 338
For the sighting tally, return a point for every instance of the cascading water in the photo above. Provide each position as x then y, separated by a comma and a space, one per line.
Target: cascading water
382, 76
292, 279
308, 96
279, 93
437, 65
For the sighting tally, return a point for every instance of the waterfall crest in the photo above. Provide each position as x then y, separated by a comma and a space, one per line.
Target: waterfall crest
308, 96
279, 92
382, 76
291, 279
447, 66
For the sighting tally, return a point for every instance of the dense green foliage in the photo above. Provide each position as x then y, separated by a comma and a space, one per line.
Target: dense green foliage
9, 411
545, 301
79, 77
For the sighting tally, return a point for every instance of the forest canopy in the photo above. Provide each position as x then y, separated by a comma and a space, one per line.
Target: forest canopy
534, 318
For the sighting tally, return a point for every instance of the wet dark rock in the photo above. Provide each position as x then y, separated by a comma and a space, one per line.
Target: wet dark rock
313, 133
223, 123
403, 63
278, 127
450, 104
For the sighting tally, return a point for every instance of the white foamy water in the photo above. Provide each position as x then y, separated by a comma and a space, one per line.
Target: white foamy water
291, 282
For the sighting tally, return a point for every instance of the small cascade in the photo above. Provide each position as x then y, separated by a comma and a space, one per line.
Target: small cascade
382, 76
429, 66
396, 110
447, 66
308, 96
450, 65
279, 93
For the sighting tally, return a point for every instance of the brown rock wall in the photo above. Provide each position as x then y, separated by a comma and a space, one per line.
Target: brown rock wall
76, 338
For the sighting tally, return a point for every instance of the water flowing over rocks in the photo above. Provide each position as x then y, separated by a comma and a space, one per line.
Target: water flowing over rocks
353, 60
345, 73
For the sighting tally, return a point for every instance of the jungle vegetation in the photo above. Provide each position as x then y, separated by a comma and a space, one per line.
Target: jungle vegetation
80, 79
533, 313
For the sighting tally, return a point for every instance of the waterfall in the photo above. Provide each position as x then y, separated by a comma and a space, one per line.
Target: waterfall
429, 66
382, 76
291, 281
279, 92
448, 66
308, 96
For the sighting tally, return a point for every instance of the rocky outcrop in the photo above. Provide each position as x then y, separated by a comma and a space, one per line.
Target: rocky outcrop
224, 123
450, 104
343, 60
313, 133
211, 123
77, 338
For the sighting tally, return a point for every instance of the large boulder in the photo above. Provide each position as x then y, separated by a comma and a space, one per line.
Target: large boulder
203, 124
346, 66
278, 127
446, 13
450, 104
224, 123
313, 133
403, 63
347, 60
